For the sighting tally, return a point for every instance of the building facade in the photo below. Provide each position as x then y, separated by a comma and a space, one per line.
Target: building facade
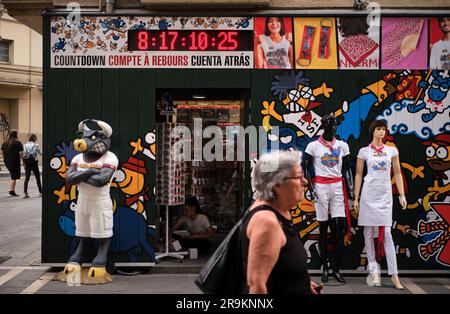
139, 64
20, 79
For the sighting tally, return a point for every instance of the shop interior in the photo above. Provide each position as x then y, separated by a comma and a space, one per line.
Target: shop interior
217, 185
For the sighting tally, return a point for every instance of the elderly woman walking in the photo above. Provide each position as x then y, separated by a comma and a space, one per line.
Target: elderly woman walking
274, 258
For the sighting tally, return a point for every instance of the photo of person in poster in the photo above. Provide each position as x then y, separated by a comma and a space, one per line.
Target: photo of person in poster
404, 43
440, 43
358, 43
273, 43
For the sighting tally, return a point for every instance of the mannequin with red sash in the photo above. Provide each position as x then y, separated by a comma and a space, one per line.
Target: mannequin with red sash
331, 189
375, 206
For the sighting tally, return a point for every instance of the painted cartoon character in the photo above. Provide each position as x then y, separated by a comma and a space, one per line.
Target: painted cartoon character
114, 24
299, 104
286, 139
435, 100
438, 158
131, 181
305, 223
150, 139
243, 22
60, 163
439, 245
60, 45
139, 26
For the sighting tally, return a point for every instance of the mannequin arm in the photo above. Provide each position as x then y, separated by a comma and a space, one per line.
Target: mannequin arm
348, 177
399, 180
358, 181
309, 163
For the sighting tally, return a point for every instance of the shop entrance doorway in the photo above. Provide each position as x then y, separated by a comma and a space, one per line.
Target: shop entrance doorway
218, 185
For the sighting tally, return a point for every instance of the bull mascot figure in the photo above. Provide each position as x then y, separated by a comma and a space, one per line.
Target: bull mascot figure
92, 171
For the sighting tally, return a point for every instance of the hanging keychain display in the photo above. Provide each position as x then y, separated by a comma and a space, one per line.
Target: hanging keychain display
324, 42
304, 58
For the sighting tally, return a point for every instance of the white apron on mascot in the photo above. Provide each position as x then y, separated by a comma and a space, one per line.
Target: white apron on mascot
376, 195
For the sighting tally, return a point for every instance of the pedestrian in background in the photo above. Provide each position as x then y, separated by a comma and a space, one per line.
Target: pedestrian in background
30, 161
12, 150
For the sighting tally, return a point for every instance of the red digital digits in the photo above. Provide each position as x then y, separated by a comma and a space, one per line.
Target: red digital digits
143, 40
187, 40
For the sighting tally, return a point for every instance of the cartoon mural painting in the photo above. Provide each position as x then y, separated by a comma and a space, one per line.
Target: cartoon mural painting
436, 86
132, 234
60, 163
438, 246
412, 116
299, 100
291, 96
130, 180
358, 109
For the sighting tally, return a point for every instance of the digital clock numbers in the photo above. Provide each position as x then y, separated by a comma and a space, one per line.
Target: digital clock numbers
190, 40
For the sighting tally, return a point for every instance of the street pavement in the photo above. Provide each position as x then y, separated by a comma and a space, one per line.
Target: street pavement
22, 272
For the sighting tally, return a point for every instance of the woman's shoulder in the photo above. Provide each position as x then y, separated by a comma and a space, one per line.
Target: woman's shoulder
263, 214
363, 152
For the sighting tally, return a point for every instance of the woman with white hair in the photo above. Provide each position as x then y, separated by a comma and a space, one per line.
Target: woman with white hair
275, 260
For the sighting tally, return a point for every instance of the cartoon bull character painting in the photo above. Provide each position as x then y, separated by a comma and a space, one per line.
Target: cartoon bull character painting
92, 171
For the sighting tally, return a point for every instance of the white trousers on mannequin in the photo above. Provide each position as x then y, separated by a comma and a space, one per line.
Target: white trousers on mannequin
389, 249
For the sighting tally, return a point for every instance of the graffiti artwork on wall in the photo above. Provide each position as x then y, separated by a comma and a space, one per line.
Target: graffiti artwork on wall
415, 106
131, 231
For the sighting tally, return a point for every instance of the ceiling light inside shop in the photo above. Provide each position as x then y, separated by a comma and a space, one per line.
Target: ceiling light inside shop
199, 96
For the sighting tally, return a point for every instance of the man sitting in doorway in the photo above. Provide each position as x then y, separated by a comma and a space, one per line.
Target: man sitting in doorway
199, 229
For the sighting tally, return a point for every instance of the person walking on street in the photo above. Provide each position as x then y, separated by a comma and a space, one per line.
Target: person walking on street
12, 150
30, 161
274, 258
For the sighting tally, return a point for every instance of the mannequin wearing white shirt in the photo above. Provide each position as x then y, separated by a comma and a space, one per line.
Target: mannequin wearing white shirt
375, 210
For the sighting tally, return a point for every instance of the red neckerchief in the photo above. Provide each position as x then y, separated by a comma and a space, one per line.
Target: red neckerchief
327, 144
379, 150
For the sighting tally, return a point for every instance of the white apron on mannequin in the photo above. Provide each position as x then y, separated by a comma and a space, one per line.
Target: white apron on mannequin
376, 196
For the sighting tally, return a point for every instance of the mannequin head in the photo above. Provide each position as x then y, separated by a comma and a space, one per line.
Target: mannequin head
378, 130
329, 126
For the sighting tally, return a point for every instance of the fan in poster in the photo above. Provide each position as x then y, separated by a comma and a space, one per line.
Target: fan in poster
315, 43
404, 43
273, 43
358, 43
440, 43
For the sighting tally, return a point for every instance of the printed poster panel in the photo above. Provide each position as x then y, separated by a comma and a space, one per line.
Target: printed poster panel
273, 43
440, 43
315, 43
359, 43
152, 42
404, 43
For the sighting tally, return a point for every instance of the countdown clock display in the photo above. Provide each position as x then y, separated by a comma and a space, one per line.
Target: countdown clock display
190, 40
153, 42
